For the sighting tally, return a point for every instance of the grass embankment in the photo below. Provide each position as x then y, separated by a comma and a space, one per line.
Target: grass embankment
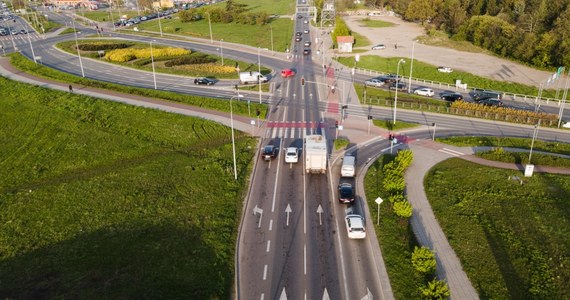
104, 200
499, 154
512, 239
239, 107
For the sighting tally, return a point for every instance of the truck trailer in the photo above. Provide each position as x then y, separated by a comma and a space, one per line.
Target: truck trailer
315, 154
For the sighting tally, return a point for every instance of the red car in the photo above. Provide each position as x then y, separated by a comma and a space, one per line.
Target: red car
287, 73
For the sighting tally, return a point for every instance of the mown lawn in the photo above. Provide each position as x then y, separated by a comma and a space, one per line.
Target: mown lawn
512, 239
104, 200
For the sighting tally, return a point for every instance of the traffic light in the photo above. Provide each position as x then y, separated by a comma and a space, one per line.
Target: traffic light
303, 81
257, 112
336, 124
369, 117
345, 107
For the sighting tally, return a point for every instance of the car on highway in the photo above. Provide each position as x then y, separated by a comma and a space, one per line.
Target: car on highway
376, 82
299, 16
307, 44
345, 193
451, 97
269, 152
305, 21
379, 47
298, 39
490, 102
424, 92
306, 51
355, 226
204, 81
444, 69
298, 33
287, 73
292, 155
306, 31
401, 87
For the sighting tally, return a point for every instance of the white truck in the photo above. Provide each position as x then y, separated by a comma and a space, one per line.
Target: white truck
315, 154
251, 77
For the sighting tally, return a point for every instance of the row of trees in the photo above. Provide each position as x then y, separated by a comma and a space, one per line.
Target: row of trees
535, 32
232, 12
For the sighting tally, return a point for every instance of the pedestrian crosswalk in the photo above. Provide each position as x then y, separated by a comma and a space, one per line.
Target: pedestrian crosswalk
19, 38
293, 129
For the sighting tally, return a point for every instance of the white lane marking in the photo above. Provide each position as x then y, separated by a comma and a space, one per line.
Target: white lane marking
268, 246
262, 296
270, 224
283, 295
265, 272
451, 152
326, 295
305, 259
276, 177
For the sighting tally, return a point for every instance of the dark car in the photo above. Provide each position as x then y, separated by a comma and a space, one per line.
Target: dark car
269, 152
490, 102
306, 51
203, 80
452, 97
345, 193
298, 33
398, 86
483, 94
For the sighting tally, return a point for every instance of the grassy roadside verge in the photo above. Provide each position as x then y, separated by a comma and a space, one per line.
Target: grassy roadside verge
23, 64
104, 200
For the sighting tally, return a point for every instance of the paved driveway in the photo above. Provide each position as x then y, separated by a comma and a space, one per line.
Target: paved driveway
403, 34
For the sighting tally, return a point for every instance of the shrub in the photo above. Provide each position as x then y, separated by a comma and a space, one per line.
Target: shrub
394, 183
96, 46
190, 60
124, 55
435, 289
403, 209
404, 158
423, 260
396, 198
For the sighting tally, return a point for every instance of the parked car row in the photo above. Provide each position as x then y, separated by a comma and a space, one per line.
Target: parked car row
355, 223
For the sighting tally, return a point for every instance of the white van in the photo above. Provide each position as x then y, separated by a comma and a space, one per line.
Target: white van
348, 166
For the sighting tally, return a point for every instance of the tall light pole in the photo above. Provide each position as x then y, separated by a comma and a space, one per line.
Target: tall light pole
411, 67
271, 28
210, 25
32, 48
78, 53
561, 112
259, 70
534, 135
232, 128
397, 86
152, 63
159, 23
222, 50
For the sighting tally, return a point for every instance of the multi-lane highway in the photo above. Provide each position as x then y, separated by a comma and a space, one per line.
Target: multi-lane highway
293, 241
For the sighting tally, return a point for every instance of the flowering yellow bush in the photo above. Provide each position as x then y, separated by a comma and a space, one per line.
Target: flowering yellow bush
208, 68
124, 55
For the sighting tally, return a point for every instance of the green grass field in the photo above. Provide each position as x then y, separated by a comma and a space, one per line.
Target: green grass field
512, 239
104, 200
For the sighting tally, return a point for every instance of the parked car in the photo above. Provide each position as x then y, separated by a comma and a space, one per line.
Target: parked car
292, 155
287, 73
424, 92
401, 87
444, 69
374, 82
269, 152
451, 97
379, 47
490, 102
345, 193
306, 51
355, 226
204, 81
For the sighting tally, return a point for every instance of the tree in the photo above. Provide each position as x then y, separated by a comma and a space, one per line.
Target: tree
420, 10
423, 260
435, 289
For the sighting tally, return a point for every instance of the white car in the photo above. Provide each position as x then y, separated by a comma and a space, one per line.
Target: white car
355, 226
445, 69
424, 92
379, 47
292, 155
374, 82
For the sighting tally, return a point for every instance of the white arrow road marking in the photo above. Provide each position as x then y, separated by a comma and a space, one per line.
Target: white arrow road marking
257, 210
288, 210
326, 295
283, 295
368, 295
320, 212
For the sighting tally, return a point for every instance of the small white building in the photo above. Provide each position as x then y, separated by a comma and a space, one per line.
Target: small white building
345, 43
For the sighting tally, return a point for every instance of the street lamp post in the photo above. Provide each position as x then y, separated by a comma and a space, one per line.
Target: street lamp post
259, 70
534, 135
78, 53
159, 23
32, 48
152, 63
271, 28
210, 25
411, 67
232, 128
397, 86
222, 50
564, 95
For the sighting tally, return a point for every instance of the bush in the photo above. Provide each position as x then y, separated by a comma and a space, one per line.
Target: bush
190, 60
97, 46
435, 289
423, 260
403, 209
124, 55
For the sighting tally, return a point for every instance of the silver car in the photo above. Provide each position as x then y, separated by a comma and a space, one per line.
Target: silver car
374, 82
